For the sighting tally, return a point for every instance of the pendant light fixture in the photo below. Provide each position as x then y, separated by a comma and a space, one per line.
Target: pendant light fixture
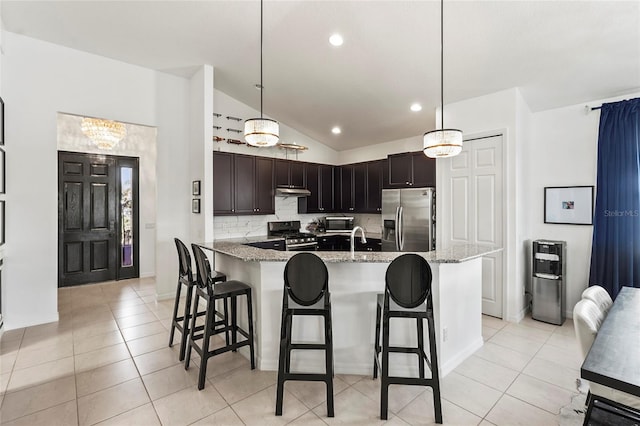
261, 132
104, 133
441, 143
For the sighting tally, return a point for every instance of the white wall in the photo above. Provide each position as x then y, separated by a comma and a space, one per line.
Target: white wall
381, 150
563, 152
40, 79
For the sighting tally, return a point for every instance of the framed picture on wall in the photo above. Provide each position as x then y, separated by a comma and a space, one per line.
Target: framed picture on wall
569, 205
1, 122
3, 173
195, 205
195, 187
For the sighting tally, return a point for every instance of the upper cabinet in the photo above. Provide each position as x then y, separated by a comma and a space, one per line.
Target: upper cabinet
360, 187
320, 182
289, 174
242, 184
411, 169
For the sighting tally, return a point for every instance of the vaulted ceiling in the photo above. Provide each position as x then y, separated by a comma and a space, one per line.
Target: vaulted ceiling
557, 52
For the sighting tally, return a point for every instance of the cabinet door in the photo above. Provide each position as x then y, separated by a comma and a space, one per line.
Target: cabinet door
424, 170
346, 189
282, 173
360, 187
313, 185
264, 202
400, 170
223, 183
326, 204
296, 174
374, 186
244, 173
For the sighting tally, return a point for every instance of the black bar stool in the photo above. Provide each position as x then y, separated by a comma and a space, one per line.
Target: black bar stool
306, 292
185, 277
210, 292
407, 295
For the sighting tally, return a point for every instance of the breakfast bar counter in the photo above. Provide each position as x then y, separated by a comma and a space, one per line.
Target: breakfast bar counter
354, 281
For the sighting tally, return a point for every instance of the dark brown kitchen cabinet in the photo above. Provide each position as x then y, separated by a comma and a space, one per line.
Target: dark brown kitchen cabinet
374, 186
320, 182
360, 187
411, 169
345, 199
242, 184
289, 174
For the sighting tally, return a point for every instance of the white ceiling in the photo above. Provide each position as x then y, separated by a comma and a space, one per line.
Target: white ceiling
558, 52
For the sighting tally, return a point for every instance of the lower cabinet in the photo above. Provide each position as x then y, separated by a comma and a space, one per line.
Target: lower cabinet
343, 243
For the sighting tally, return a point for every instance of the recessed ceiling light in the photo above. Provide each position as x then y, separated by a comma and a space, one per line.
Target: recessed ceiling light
336, 40
336, 130
416, 107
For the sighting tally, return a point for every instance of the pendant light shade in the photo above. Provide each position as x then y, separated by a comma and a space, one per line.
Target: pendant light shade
442, 143
261, 132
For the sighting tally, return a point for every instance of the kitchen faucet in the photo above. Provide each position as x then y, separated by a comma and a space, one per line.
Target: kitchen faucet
363, 240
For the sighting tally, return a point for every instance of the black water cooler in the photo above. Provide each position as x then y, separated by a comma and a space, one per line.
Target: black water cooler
549, 281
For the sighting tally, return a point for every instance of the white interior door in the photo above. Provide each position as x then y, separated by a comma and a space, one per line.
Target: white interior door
472, 212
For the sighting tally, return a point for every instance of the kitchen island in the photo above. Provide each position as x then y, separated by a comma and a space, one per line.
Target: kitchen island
354, 281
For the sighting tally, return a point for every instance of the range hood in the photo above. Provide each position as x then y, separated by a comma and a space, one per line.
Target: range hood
284, 191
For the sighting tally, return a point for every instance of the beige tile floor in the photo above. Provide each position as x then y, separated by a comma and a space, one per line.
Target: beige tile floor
107, 362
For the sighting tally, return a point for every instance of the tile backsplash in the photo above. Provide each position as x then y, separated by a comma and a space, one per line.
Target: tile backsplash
286, 209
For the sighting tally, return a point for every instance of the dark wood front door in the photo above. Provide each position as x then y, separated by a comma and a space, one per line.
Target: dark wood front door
90, 244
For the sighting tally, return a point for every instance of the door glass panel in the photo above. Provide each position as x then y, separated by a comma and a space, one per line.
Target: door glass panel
126, 216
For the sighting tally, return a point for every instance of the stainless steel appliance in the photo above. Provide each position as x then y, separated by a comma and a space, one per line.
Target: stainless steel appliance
549, 269
294, 240
408, 219
338, 224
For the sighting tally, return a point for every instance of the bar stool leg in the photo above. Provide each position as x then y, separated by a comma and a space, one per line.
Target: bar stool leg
287, 363
376, 344
204, 357
226, 320
384, 391
420, 347
281, 364
250, 315
328, 340
190, 343
185, 323
234, 322
175, 314
434, 370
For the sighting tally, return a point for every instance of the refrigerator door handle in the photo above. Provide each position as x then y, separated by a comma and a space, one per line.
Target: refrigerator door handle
397, 228
401, 231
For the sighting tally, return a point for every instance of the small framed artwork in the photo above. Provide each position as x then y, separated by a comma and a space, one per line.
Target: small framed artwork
3, 172
195, 205
1, 122
195, 187
569, 205
1, 222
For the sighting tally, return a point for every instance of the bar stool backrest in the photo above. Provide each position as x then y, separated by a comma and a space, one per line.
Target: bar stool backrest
408, 281
306, 279
184, 261
204, 269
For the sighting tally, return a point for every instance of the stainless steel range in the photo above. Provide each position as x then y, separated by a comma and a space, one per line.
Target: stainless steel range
293, 238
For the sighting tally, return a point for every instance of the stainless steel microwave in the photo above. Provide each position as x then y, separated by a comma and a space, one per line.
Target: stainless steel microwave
338, 224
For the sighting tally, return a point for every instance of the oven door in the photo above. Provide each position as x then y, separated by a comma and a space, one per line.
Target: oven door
313, 246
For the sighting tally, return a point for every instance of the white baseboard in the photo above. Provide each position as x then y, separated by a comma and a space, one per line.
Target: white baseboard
147, 274
13, 323
450, 365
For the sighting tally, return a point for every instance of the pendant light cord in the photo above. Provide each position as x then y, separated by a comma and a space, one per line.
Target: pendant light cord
261, 86
442, 64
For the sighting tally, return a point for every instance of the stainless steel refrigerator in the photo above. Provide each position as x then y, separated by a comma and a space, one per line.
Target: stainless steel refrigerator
408, 219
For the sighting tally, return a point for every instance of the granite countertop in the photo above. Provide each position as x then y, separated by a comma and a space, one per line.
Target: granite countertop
237, 248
